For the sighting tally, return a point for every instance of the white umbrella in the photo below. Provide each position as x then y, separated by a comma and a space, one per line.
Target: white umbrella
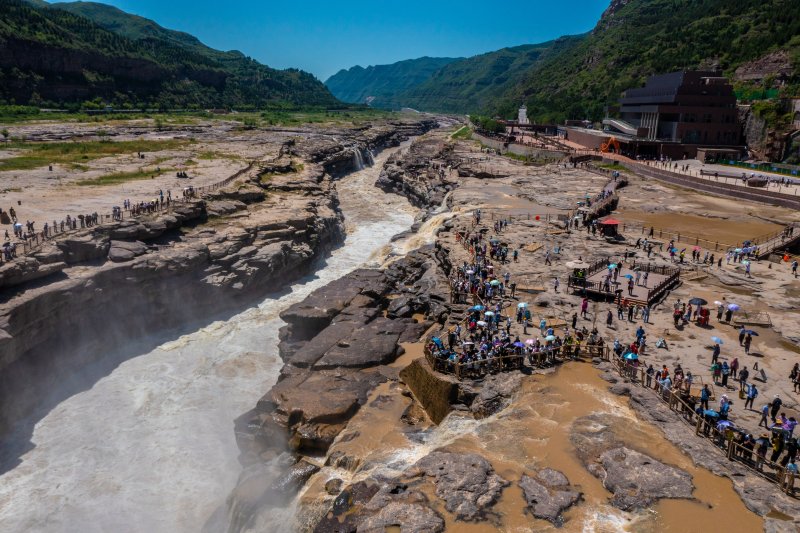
489, 313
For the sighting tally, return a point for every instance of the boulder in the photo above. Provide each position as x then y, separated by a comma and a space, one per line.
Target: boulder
122, 251
409, 517
466, 482
24, 269
495, 393
548, 494
637, 480
84, 247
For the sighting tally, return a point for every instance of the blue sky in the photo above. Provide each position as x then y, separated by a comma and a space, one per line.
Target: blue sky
323, 37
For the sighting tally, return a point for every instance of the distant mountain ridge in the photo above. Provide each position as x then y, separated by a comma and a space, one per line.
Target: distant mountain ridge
579, 76
378, 85
62, 54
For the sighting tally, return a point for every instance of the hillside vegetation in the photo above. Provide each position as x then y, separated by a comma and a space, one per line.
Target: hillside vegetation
637, 38
381, 83
92, 54
577, 77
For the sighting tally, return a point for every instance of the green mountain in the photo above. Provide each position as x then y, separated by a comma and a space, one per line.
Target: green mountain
475, 83
379, 85
579, 76
83, 52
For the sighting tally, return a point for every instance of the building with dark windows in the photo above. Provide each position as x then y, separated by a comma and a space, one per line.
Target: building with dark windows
672, 116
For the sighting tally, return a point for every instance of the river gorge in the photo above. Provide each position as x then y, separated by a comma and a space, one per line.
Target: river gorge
275, 380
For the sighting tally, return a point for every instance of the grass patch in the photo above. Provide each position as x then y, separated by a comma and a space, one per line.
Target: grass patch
463, 134
116, 178
210, 155
37, 155
613, 166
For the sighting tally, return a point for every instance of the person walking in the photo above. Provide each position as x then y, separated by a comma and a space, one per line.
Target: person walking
609, 318
734, 367
646, 314
584, 307
764, 415
705, 394
741, 335
775, 407
791, 474
752, 394
743, 375
715, 353
748, 340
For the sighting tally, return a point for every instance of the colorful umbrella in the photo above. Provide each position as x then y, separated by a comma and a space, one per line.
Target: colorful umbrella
477, 308
717, 340
698, 301
734, 307
629, 276
631, 357
489, 313
494, 283
751, 333
550, 338
612, 266
530, 341
522, 305
519, 344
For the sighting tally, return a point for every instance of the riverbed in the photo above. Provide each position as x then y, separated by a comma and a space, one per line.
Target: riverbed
150, 446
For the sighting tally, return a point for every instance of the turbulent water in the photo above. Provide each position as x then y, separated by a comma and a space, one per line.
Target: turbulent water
150, 447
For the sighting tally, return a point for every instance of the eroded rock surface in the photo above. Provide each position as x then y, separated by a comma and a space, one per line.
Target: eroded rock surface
466, 482
636, 479
548, 494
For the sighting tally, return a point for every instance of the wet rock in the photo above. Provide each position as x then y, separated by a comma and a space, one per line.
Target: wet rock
410, 518
333, 486
495, 393
548, 494
638, 480
466, 482
621, 389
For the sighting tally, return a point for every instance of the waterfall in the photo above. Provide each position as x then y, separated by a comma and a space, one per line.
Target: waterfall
358, 159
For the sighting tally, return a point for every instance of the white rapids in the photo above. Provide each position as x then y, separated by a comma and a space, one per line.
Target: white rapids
150, 446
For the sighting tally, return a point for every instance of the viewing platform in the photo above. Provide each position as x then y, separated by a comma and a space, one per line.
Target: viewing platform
595, 280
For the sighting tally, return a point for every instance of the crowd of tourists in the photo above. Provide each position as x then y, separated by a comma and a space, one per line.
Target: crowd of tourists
28, 234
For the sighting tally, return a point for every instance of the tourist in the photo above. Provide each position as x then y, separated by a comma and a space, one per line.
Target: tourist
649, 375
764, 416
748, 339
752, 394
705, 395
734, 367
775, 406
715, 353
725, 371
720, 310
791, 474
742, 333
646, 314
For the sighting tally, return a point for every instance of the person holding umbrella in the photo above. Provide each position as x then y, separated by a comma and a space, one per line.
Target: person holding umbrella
748, 339
742, 333
716, 350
